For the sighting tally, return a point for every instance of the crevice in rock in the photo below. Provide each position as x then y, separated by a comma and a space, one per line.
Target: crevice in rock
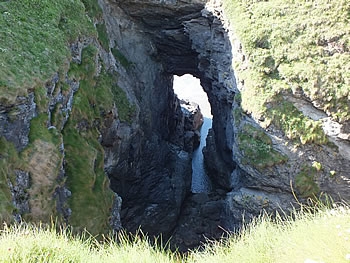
149, 165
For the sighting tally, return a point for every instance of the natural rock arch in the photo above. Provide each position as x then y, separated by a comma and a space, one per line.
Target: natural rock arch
173, 38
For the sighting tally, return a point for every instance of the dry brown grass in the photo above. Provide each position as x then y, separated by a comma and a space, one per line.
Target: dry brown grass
44, 160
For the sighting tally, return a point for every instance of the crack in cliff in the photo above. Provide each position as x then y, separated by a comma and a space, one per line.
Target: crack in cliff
173, 38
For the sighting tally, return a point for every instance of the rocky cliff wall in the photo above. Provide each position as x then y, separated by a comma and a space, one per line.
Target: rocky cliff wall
175, 38
254, 166
111, 110
275, 165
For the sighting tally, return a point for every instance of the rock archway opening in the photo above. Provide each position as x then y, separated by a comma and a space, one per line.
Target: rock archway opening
150, 163
189, 90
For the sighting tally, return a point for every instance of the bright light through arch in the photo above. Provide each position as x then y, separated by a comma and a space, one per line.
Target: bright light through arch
189, 88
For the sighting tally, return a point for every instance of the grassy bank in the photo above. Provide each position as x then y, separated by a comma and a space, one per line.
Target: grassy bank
322, 236
294, 47
35, 41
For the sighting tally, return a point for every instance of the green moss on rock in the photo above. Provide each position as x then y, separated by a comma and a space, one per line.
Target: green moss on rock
121, 58
39, 131
305, 182
257, 148
289, 46
295, 125
9, 160
34, 44
102, 35
92, 8
91, 198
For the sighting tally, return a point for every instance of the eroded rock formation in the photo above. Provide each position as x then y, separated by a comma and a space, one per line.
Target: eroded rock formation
190, 37
153, 173
147, 155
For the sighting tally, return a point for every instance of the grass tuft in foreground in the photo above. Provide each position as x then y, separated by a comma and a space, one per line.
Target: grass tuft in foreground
27, 243
320, 236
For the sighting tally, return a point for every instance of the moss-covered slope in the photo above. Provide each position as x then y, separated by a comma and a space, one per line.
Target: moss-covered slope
52, 49
298, 48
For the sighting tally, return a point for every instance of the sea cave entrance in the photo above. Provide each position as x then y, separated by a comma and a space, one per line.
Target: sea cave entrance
187, 87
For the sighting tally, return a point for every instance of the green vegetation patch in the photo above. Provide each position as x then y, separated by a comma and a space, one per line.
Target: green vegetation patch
257, 148
99, 92
93, 9
91, 198
321, 236
121, 58
41, 99
294, 46
102, 35
87, 68
9, 161
296, 126
305, 182
39, 130
126, 111
34, 43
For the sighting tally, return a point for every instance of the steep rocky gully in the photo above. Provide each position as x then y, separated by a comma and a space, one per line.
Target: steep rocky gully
147, 154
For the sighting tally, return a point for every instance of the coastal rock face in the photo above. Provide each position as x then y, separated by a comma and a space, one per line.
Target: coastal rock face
193, 121
145, 161
189, 37
15, 120
254, 167
270, 177
152, 173
145, 148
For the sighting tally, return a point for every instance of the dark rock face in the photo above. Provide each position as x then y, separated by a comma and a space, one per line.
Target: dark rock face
20, 197
193, 121
188, 38
148, 162
152, 172
203, 216
15, 120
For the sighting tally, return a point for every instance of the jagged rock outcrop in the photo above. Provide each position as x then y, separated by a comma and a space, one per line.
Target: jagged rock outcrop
194, 37
15, 120
152, 173
193, 121
20, 197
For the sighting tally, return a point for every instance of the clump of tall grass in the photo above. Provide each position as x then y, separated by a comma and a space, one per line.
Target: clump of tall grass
29, 243
308, 235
